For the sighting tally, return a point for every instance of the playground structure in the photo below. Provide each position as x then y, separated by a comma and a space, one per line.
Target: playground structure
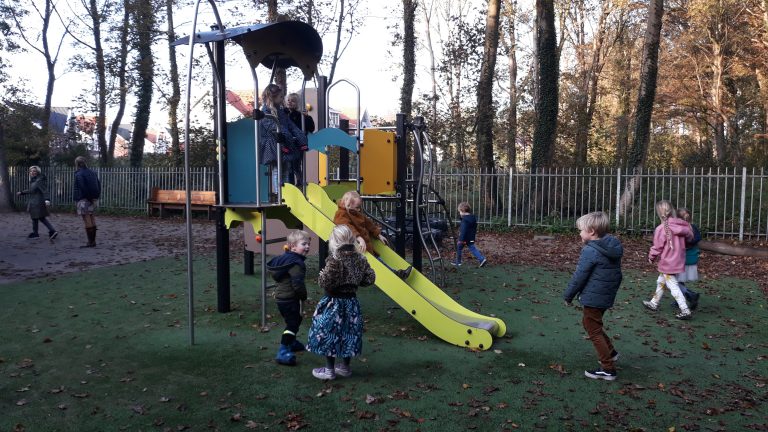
243, 194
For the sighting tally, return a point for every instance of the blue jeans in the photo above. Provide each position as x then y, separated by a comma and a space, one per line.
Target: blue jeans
472, 248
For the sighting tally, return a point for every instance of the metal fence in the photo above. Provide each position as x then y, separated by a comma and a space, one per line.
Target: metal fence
121, 188
724, 202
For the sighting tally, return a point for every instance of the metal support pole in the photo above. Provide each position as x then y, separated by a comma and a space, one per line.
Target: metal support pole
618, 195
401, 189
344, 153
322, 123
220, 130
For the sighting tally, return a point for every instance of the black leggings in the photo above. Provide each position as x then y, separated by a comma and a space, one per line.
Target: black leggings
45, 222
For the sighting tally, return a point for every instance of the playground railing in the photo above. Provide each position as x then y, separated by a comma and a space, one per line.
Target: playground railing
725, 202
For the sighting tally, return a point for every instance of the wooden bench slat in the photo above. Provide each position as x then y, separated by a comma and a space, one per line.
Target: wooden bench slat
176, 199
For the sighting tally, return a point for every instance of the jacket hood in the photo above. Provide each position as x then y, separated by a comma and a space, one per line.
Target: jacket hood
609, 246
278, 266
678, 226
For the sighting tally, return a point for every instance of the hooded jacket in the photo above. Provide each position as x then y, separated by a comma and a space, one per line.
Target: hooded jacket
468, 228
598, 274
360, 224
671, 252
289, 271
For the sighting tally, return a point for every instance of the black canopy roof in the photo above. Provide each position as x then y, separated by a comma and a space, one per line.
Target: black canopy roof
282, 44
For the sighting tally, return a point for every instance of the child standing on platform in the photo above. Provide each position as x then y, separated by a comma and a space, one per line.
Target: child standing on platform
692, 252
595, 283
467, 234
289, 271
669, 240
337, 325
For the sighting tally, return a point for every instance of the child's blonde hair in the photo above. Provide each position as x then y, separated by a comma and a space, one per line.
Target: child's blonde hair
347, 198
270, 92
684, 214
596, 221
340, 236
464, 207
666, 210
296, 236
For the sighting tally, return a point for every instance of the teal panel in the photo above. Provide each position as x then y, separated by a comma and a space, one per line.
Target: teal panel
241, 162
332, 137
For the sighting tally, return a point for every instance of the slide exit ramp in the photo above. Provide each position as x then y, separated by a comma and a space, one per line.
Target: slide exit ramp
429, 305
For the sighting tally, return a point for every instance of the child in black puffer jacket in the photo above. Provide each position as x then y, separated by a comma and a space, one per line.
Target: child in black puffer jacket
596, 282
289, 271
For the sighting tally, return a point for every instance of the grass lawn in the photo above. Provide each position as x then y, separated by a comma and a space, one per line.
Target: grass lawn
108, 350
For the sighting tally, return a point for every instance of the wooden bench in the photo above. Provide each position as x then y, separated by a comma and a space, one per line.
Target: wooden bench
163, 199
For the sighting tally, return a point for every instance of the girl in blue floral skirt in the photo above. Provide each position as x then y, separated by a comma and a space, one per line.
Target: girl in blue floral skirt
337, 325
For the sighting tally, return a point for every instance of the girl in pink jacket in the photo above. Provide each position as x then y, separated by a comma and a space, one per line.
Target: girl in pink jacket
669, 247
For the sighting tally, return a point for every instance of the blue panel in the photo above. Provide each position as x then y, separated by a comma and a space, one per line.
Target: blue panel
332, 137
241, 160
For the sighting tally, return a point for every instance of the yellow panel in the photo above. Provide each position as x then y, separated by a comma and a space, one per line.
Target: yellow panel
377, 162
322, 169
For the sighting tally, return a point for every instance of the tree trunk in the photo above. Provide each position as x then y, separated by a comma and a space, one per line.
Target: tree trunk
485, 109
432, 67
144, 23
716, 94
409, 57
101, 82
173, 103
649, 69
648, 73
122, 86
588, 89
511, 47
6, 198
623, 66
546, 97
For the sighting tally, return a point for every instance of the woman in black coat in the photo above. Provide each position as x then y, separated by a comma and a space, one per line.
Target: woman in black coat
37, 204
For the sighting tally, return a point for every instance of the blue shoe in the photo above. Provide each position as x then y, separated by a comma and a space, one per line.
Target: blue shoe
285, 356
297, 346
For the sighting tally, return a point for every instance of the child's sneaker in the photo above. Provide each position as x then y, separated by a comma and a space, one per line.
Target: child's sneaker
650, 306
455, 263
485, 260
614, 355
601, 374
52, 235
33, 235
285, 356
684, 315
343, 370
324, 373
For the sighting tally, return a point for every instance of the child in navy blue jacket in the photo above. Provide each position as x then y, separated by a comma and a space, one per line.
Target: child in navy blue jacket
467, 233
595, 283
289, 271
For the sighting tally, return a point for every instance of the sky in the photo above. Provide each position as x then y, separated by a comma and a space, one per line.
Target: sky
365, 63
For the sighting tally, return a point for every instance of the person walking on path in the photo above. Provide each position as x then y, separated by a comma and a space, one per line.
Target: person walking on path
38, 202
86, 195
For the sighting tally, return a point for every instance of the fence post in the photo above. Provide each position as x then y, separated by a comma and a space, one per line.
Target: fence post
743, 203
509, 200
618, 195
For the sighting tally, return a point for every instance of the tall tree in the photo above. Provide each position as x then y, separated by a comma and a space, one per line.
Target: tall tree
175, 99
120, 71
588, 80
409, 57
486, 113
649, 69
428, 13
97, 15
40, 42
510, 46
546, 93
143, 12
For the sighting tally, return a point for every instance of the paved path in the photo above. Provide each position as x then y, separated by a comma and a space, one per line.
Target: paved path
119, 240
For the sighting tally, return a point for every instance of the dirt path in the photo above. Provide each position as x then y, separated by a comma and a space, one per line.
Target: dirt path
119, 240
